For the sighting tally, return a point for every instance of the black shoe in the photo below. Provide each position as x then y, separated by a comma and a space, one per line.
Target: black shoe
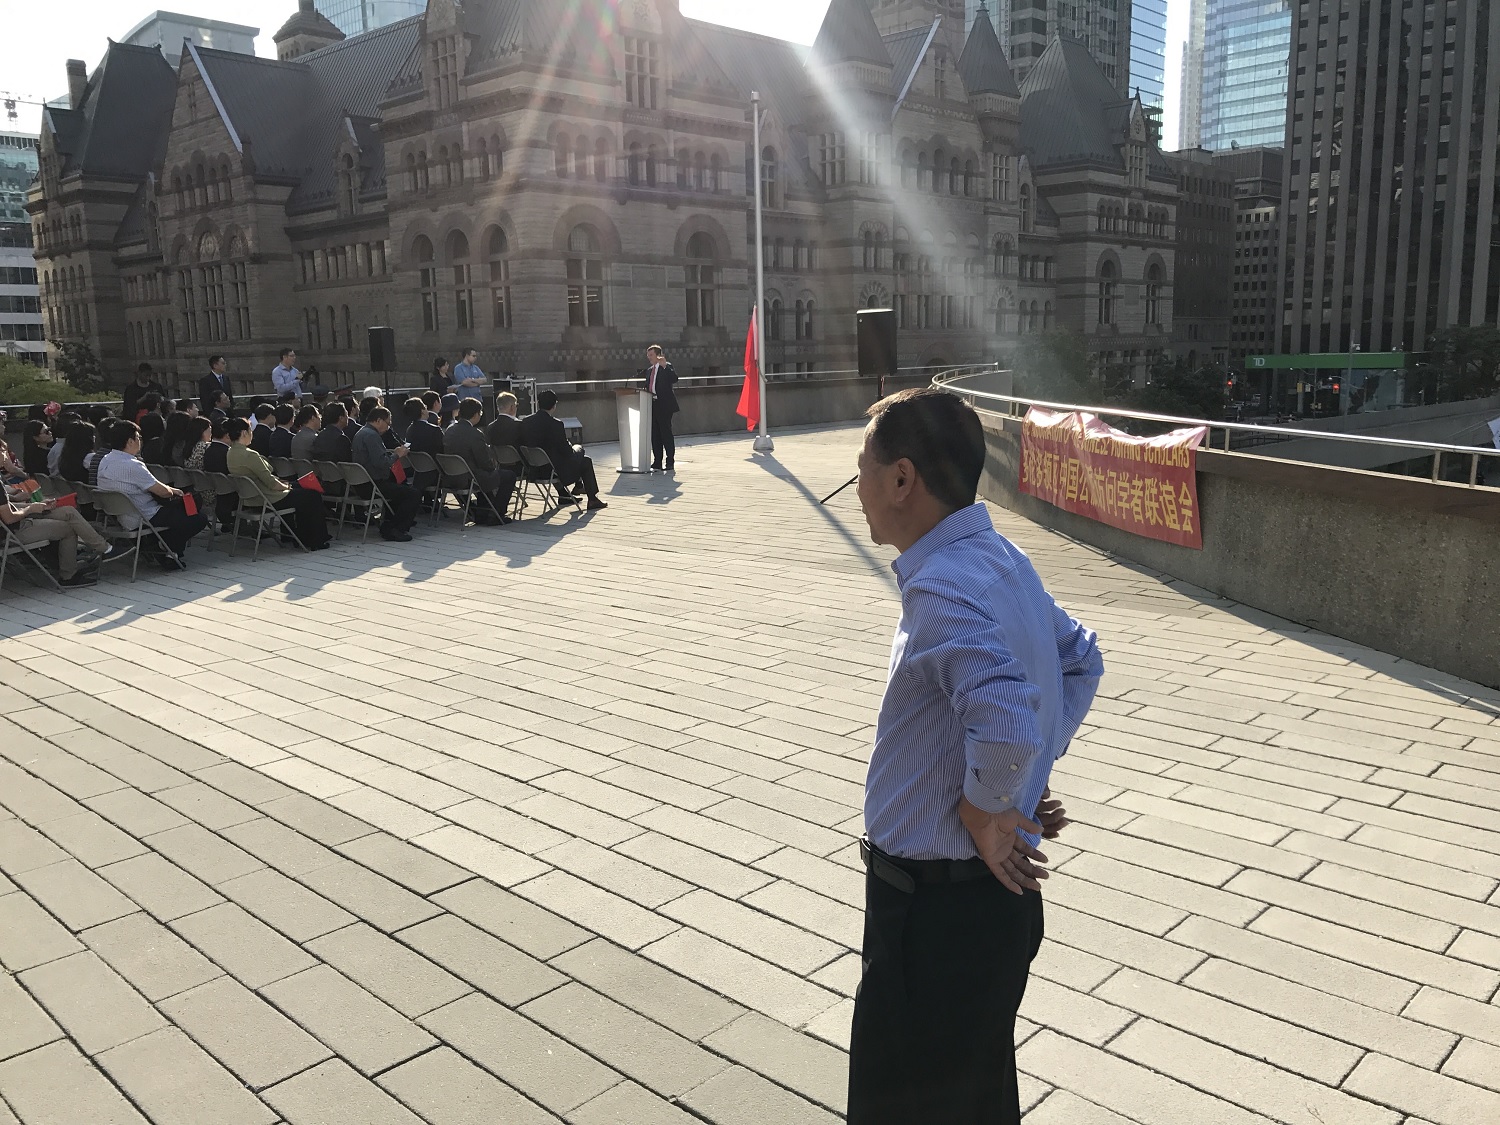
656, 466
595, 504
396, 537
671, 466
320, 546
121, 550
79, 580
170, 563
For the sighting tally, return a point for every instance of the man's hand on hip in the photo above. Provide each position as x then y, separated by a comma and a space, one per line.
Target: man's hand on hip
996, 837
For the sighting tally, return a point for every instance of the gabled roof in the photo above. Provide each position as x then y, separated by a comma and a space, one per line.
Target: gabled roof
1072, 114
905, 51
983, 66
575, 34
849, 34
120, 130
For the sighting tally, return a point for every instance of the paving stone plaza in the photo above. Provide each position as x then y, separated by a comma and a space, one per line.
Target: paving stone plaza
557, 823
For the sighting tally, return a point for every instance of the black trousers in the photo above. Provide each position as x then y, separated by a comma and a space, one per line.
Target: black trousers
176, 526
308, 520
579, 469
662, 441
945, 969
402, 501
498, 501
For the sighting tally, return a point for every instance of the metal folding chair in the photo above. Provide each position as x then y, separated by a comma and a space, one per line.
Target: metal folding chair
281, 467
116, 508
356, 477
256, 509
425, 469
331, 477
457, 478
540, 471
509, 457
14, 543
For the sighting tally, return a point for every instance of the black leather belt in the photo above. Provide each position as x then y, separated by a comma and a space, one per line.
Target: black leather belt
906, 874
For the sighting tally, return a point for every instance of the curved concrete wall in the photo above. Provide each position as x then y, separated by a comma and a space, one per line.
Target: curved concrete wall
1405, 566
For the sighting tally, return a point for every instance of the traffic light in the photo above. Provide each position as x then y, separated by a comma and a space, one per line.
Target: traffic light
1336, 388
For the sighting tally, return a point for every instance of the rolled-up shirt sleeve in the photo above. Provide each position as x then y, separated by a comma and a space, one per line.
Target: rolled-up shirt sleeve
1082, 669
961, 650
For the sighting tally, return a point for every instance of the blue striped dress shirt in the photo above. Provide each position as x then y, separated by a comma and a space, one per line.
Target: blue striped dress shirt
989, 682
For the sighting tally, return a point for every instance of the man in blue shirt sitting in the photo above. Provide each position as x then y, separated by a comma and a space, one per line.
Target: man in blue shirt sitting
468, 379
989, 680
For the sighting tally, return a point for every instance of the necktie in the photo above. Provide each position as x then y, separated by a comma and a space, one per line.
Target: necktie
651, 385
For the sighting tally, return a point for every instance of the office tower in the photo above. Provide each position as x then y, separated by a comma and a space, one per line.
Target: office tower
1147, 60
998, 12
1390, 230
20, 299
1190, 93
1205, 257
168, 30
1244, 71
355, 16
1103, 26
1257, 174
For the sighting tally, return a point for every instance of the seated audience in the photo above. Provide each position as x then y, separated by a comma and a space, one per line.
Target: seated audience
545, 431
36, 443
333, 440
181, 436
78, 444
216, 460
281, 436
60, 427
220, 411
422, 436
159, 504
506, 428
48, 522
495, 484
306, 506
305, 429
260, 429
153, 436
401, 499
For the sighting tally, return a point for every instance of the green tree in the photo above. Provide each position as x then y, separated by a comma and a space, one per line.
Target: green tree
1054, 367
1189, 392
22, 384
1465, 362
78, 364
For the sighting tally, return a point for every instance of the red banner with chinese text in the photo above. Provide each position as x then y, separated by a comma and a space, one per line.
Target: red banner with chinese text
1147, 486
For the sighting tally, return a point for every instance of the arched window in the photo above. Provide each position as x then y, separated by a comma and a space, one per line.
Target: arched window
348, 328
955, 177
1026, 216
970, 180
200, 181
411, 173
1153, 294
601, 159
239, 288
484, 159
333, 331
442, 164
805, 319
498, 250
770, 178
423, 180
684, 169
1107, 292
702, 282
651, 163
1004, 257
463, 281
924, 173
1047, 317
348, 184
715, 172
700, 172
497, 156
870, 250
633, 164
773, 318
1101, 222
909, 176
581, 158
585, 272
561, 149
427, 280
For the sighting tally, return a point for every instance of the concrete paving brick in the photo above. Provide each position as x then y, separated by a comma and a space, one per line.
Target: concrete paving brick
811, 838
1437, 1098
1085, 1017
135, 812
333, 1094
629, 1104
155, 961
831, 880
206, 805
30, 935
92, 840
739, 1097
159, 887
398, 817
1318, 1011
1475, 1062
1156, 886
596, 909
1480, 948
521, 1053
252, 786
1281, 1044
789, 1058
55, 1085
486, 962
742, 977
1467, 1017
1105, 902
670, 999
23, 1025
253, 1040
23, 848
413, 868
285, 905
1063, 1108
643, 1050
285, 849
768, 938
317, 819
693, 864
295, 774
512, 919
473, 854
446, 1089
369, 1034
709, 834
613, 872
404, 979
73, 893
208, 856
1371, 917
95, 1004
32, 799
245, 947
1421, 899
373, 897
178, 1083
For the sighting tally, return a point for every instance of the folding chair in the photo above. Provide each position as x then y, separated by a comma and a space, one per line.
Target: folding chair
456, 478
509, 457
14, 543
540, 471
356, 477
116, 508
281, 467
425, 468
331, 477
256, 509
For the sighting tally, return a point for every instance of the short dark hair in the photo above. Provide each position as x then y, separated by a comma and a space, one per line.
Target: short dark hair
470, 408
263, 411
221, 397
285, 413
184, 405
288, 351
143, 369
215, 360
939, 433
306, 415
236, 428
122, 433
432, 400
334, 413
413, 409
378, 414
148, 402
367, 405
216, 428
470, 351
546, 400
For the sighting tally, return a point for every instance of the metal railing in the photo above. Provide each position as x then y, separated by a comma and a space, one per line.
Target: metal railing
1015, 406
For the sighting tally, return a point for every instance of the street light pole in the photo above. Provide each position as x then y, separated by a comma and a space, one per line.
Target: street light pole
763, 442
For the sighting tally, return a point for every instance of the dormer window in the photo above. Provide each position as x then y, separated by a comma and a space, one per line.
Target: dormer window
940, 77
642, 80
1135, 157
444, 53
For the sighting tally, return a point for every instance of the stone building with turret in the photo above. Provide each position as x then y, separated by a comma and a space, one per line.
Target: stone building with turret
558, 186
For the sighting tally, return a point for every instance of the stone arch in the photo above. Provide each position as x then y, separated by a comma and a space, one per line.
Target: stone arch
704, 224
588, 215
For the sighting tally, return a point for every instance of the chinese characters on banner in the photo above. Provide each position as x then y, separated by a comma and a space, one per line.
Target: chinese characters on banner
1148, 486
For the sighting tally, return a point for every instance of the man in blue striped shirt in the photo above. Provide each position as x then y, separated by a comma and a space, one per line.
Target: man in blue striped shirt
989, 681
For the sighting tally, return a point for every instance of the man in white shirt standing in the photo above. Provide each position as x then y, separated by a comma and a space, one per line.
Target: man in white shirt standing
285, 378
160, 505
468, 379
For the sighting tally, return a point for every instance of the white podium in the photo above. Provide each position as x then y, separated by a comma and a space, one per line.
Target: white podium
633, 409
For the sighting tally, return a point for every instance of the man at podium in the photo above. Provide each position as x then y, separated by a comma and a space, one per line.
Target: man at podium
661, 382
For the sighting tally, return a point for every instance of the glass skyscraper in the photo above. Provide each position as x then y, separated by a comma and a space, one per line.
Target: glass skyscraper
1246, 45
1148, 50
354, 16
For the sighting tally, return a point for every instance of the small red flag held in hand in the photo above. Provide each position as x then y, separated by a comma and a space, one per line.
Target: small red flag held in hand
398, 470
189, 504
310, 482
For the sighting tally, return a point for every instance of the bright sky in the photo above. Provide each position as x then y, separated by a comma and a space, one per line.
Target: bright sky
41, 37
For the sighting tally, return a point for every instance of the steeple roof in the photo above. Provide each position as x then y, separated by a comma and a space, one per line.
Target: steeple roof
983, 66
307, 20
849, 34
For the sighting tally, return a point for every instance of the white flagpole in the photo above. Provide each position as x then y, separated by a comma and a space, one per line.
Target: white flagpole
763, 442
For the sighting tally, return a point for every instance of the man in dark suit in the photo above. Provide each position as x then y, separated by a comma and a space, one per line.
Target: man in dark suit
661, 381
463, 439
544, 431
506, 428
265, 426
215, 382
332, 442
216, 460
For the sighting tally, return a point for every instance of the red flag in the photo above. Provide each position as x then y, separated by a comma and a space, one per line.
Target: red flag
68, 501
310, 482
749, 407
398, 470
190, 503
